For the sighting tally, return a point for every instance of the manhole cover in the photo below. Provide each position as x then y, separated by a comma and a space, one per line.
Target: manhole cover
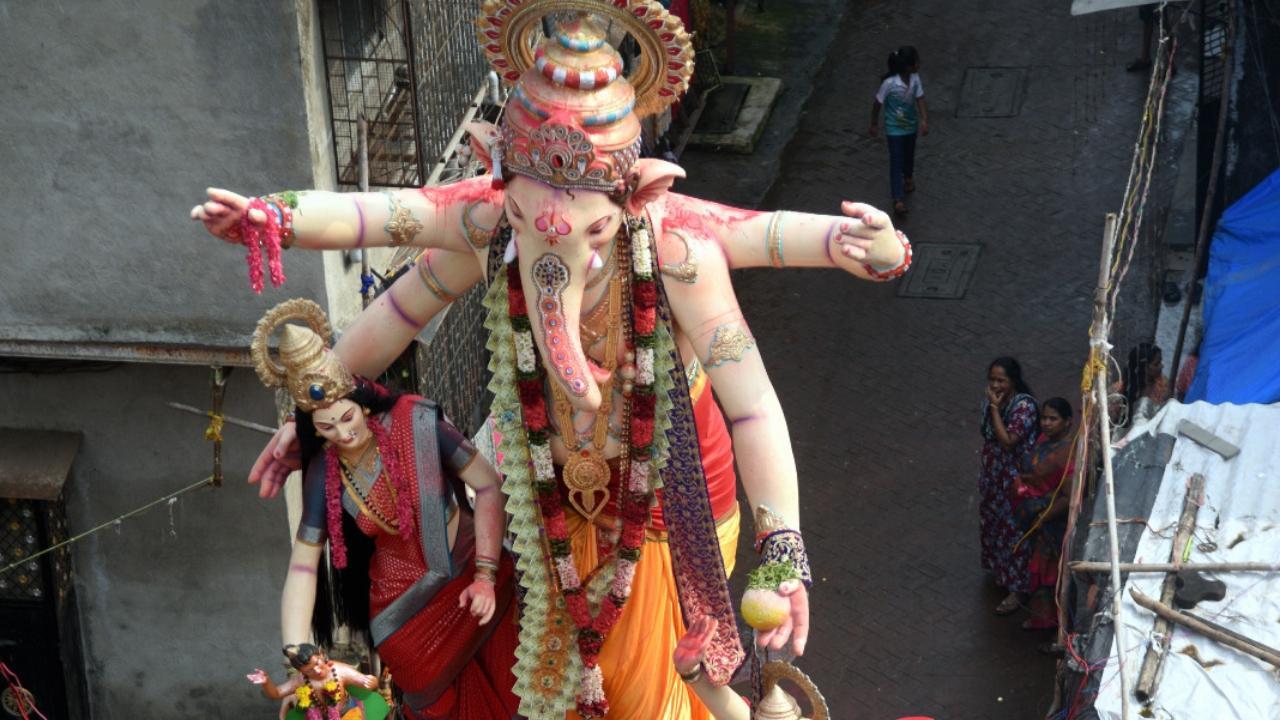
991, 92
720, 116
940, 270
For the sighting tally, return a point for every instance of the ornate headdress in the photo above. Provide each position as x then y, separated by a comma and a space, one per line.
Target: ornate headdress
573, 121
314, 376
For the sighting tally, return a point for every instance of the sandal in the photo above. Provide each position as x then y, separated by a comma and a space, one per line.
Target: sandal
1009, 605
899, 207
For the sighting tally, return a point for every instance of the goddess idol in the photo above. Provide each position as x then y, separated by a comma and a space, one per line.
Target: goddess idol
611, 318
414, 567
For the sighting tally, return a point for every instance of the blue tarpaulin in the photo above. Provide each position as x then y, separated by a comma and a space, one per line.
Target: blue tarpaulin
1240, 353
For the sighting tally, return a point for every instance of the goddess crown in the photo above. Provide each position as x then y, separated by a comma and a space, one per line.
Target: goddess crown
313, 375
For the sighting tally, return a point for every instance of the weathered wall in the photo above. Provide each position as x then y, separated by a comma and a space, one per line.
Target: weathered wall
114, 119
176, 605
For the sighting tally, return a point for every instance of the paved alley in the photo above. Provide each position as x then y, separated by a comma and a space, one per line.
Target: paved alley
883, 394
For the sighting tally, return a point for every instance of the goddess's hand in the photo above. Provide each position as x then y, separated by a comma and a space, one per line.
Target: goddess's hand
796, 626
479, 595
222, 212
279, 458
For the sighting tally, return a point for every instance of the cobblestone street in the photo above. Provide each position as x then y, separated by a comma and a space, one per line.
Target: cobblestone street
883, 393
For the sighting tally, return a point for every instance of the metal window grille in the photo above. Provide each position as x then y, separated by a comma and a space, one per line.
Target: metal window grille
410, 68
1213, 38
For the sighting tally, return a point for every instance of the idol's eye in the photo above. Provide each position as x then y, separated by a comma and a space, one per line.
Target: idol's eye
599, 226
515, 210
347, 417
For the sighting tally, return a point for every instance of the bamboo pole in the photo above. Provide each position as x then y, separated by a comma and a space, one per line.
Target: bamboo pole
1150, 672
1214, 632
1098, 351
1088, 566
225, 418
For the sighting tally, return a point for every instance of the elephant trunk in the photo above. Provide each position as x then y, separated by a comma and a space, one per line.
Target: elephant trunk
555, 304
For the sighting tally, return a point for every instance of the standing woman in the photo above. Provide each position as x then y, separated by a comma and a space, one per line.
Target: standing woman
1009, 420
1040, 507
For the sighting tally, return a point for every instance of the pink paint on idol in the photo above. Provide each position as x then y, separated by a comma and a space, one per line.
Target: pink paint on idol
476, 189
551, 278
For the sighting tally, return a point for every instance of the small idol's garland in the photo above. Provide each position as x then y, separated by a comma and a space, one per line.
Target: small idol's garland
323, 703
637, 490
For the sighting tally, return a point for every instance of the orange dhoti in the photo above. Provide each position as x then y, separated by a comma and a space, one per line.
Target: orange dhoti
640, 679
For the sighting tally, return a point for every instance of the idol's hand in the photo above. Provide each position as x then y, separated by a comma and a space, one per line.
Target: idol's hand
852, 240
796, 626
279, 458
692, 647
479, 595
370, 682
222, 212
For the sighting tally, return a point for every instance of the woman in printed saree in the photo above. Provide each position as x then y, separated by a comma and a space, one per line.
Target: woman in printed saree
1040, 507
413, 565
1009, 418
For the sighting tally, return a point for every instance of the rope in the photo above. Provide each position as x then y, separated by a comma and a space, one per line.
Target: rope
115, 521
21, 695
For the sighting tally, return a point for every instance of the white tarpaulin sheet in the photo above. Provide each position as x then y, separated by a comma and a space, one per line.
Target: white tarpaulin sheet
1241, 517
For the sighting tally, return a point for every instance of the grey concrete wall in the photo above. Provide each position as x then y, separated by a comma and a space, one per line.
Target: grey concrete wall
114, 117
179, 603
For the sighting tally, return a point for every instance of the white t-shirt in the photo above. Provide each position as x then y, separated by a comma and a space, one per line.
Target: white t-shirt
899, 101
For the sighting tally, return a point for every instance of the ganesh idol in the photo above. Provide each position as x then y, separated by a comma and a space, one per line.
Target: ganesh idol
613, 332
415, 565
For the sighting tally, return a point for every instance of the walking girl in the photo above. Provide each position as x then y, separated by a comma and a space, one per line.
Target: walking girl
901, 98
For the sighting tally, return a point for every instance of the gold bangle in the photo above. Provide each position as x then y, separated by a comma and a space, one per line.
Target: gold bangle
773, 240
478, 237
487, 574
431, 281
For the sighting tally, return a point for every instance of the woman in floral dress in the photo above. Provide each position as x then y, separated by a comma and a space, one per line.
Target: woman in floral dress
1009, 420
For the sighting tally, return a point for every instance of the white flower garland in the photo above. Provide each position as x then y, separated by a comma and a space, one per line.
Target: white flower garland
644, 366
543, 467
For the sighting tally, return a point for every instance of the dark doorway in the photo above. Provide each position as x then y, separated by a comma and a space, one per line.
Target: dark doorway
38, 638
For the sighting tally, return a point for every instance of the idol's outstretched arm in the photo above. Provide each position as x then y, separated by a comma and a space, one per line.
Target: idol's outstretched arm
708, 315
862, 241
425, 217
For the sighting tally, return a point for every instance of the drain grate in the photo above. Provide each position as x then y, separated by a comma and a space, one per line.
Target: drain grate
940, 270
992, 92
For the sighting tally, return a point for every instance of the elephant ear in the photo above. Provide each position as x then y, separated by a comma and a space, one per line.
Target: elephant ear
651, 179
483, 134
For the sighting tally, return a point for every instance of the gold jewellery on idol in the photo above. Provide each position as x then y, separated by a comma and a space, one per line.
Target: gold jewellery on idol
586, 472
313, 375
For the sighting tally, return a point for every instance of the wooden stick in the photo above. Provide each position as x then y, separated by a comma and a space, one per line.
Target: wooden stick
1150, 671
1098, 344
1208, 629
1173, 567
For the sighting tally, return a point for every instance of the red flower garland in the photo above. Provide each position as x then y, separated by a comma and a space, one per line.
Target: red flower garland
633, 506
